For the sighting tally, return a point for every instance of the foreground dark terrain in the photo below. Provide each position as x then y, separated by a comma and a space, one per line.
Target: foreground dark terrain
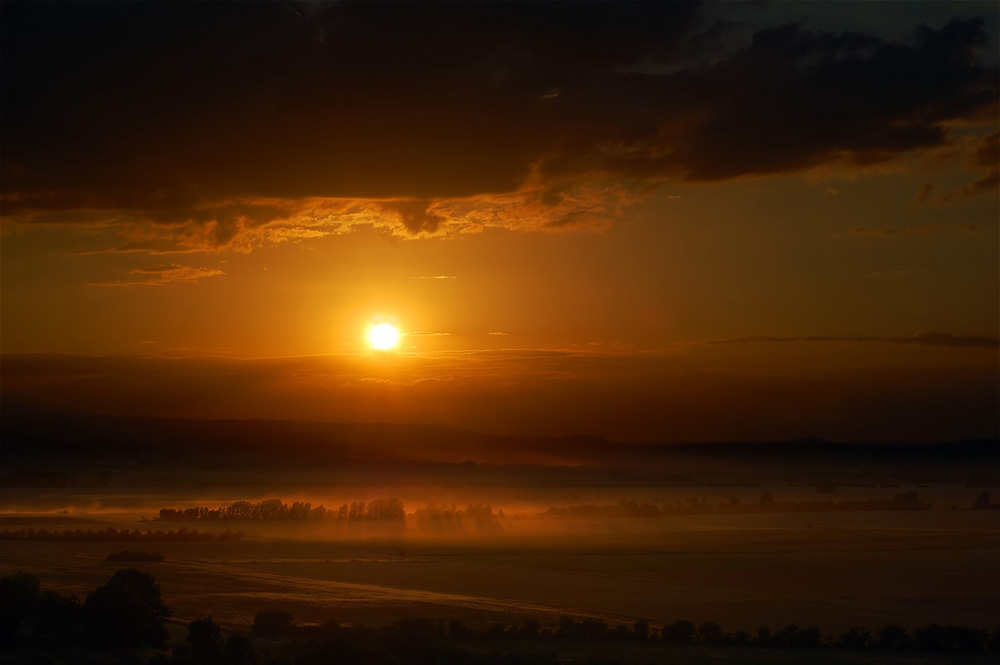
785, 552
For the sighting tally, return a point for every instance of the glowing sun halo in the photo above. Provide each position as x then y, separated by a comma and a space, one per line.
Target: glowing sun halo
383, 337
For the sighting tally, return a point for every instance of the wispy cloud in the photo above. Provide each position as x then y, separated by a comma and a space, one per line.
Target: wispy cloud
892, 274
981, 152
982, 185
928, 338
168, 273
900, 232
923, 194
436, 277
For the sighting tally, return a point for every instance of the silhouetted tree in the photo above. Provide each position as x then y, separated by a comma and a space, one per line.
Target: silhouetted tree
456, 630
982, 502
711, 633
783, 637
679, 632
640, 630
421, 627
530, 628
238, 650
18, 594
929, 638
56, 615
299, 510
569, 629
127, 611
949, 638
806, 638
205, 639
619, 633
241, 510
272, 623
385, 509
854, 638
893, 637
183, 654
495, 631
593, 629
272, 509
993, 641
964, 638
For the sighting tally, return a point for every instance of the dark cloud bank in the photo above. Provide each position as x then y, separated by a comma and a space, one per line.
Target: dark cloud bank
221, 113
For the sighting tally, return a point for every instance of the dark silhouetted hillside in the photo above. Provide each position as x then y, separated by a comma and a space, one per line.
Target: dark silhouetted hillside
34, 442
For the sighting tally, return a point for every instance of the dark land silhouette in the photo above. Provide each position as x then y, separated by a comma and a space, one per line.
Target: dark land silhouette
123, 621
62, 450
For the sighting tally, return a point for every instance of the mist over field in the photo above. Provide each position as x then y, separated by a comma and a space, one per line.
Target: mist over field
367, 526
741, 534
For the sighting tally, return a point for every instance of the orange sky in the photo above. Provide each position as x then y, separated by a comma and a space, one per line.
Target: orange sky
635, 237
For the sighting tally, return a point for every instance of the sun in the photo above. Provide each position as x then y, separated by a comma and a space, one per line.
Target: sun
383, 337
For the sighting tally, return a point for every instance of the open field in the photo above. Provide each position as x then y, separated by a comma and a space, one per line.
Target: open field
829, 570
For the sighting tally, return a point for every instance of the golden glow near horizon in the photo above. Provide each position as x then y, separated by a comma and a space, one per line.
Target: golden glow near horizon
383, 337
648, 266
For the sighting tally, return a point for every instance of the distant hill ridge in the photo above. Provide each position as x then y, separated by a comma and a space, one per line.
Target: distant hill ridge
45, 437
33, 438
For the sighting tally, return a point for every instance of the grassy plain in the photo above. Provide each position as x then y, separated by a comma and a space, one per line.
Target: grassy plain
831, 570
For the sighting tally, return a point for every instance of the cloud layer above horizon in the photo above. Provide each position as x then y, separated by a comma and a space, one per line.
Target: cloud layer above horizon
201, 127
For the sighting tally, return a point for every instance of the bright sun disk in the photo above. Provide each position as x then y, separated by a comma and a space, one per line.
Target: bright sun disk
383, 337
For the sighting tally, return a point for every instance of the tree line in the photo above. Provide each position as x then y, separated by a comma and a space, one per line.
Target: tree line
765, 504
477, 517
932, 637
112, 534
377, 510
127, 613
393, 510
418, 633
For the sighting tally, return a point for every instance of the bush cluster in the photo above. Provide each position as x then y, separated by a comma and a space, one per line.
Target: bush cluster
126, 612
